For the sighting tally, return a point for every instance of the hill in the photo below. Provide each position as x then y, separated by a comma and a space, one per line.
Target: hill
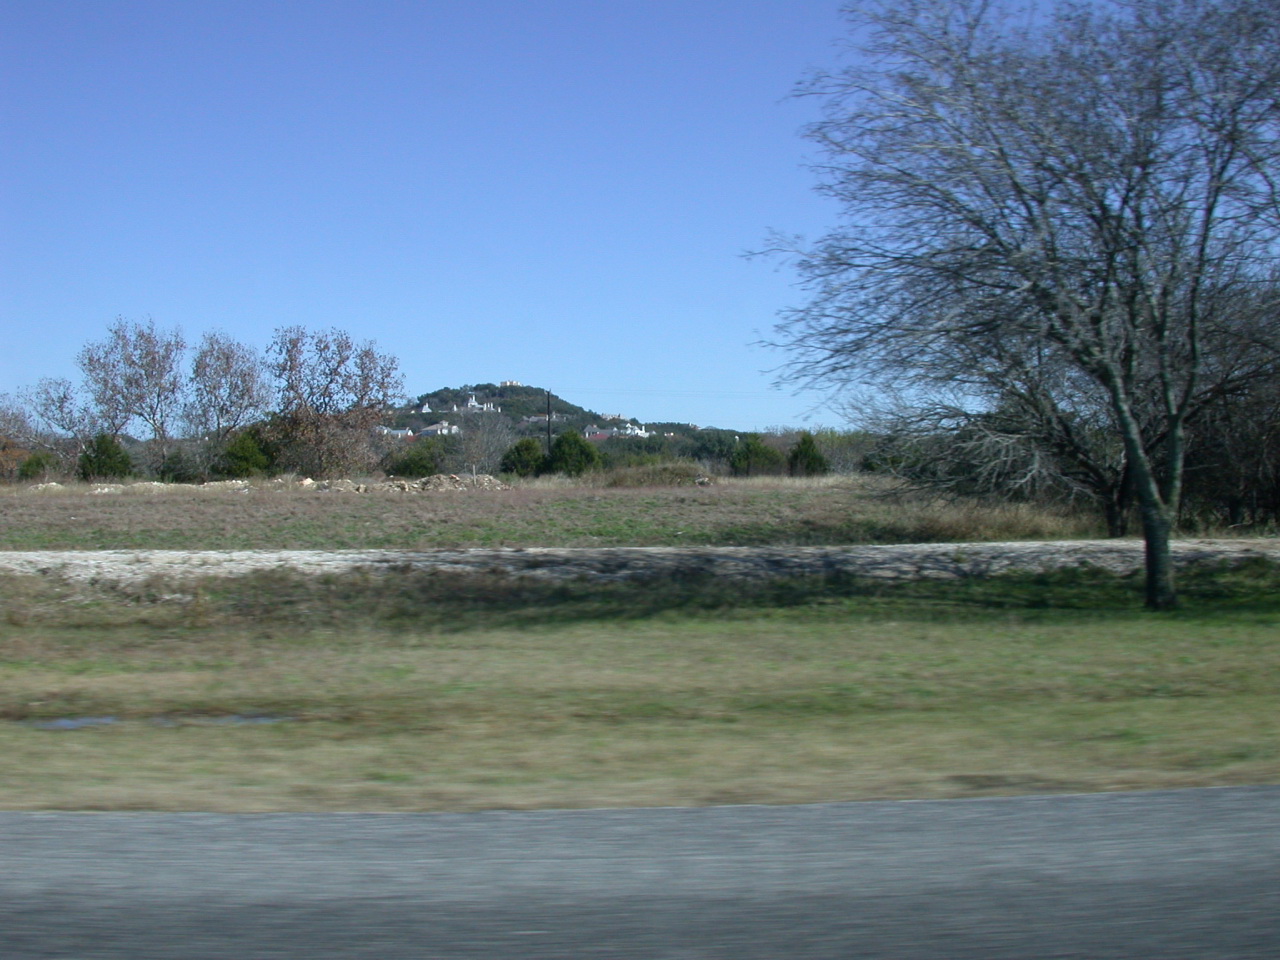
524, 407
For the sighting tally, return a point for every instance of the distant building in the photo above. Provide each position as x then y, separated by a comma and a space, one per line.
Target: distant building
441, 429
395, 434
471, 406
511, 383
594, 432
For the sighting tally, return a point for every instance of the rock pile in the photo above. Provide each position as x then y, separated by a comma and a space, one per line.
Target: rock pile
440, 481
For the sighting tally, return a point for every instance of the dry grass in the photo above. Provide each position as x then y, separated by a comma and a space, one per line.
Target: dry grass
766, 511
658, 694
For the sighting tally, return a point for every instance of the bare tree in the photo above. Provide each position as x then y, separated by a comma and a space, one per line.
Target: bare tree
483, 438
229, 387
1088, 191
59, 405
16, 422
18, 436
1233, 465
1045, 437
331, 392
135, 373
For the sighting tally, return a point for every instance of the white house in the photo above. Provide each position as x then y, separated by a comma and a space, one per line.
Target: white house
443, 428
626, 430
395, 434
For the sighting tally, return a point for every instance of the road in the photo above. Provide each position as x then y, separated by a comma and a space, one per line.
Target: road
1160, 875
897, 561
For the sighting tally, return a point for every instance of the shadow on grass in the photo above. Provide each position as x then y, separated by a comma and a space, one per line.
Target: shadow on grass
455, 602
449, 602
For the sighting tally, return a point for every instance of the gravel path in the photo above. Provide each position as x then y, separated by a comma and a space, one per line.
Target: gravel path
894, 562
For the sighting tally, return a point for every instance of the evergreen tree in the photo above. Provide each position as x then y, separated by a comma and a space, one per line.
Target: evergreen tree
104, 459
805, 459
751, 458
524, 458
246, 455
573, 455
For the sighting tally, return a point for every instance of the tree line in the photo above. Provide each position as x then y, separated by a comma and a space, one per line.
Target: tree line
148, 403
218, 407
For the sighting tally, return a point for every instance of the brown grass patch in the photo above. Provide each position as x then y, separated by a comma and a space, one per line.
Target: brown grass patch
757, 512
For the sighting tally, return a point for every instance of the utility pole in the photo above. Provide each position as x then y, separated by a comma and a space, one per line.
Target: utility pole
548, 423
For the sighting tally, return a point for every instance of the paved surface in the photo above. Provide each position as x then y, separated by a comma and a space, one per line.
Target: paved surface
1162, 875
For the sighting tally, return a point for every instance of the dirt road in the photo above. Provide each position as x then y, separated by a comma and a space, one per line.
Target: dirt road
895, 562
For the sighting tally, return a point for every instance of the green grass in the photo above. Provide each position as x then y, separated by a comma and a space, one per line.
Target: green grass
417, 691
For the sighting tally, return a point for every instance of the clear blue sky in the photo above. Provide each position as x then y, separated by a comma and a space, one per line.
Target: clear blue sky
552, 191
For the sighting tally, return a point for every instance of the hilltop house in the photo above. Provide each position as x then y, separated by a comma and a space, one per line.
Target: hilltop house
594, 432
394, 434
441, 429
472, 407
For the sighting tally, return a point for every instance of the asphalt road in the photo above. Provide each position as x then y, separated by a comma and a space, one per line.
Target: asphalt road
1162, 875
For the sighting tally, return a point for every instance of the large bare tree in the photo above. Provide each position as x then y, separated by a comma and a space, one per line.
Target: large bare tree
1089, 187
229, 387
331, 392
135, 374
61, 408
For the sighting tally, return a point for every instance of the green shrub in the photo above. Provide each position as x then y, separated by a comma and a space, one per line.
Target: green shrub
38, 466
524, 458
423, 459
805, 459
247, 455
751, 458
104, 459
178, 467
573, 455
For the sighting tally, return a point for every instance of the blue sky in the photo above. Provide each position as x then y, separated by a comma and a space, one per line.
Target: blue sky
553, 191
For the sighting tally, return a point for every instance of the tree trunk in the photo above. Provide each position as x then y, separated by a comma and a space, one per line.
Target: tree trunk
1161, 589
1117, 517
1156, 512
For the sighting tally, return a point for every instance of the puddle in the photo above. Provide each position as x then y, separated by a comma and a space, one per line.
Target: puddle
235, 719
74, 723
81, 723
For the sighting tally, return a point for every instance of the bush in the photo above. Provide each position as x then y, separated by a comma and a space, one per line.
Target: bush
573, 455
247, 455
38, 466
751, 458
805, 459
524, 458
104, 459
424, 459
179, 467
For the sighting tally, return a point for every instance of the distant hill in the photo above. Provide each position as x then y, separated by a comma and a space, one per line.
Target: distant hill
525, 407
516, 402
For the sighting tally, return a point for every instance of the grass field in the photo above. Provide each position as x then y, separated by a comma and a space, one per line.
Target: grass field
427, 692
730, 513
